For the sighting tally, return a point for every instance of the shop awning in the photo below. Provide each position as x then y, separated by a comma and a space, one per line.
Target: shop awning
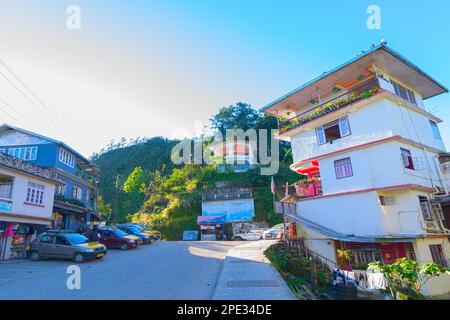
210, 219
335, 235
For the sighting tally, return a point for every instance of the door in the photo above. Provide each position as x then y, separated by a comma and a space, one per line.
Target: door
62, 248
45, 245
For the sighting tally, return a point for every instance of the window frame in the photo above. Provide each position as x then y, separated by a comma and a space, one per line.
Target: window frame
21, 153
435, 129
341, 123
438, 256
336, 166
66, 157
409, 157
35, 193
408, 95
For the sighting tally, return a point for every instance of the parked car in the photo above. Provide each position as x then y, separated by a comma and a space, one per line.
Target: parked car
276, 232
116, 238
250, 234
133, 230
66, 245
148, 230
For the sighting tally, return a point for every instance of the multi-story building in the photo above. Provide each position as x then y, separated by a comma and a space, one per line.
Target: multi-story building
75, 200
374, 159
26, 204
237, 156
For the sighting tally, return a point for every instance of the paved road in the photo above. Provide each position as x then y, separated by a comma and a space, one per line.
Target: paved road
164, 270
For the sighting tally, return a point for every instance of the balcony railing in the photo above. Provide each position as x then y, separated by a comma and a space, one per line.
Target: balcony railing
362, 92
309, 188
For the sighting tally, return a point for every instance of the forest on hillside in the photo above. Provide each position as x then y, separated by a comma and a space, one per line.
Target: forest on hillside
139, 182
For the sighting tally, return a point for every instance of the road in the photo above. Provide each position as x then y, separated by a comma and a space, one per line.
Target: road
164, 270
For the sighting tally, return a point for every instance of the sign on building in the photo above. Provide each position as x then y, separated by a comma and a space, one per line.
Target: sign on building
239, 210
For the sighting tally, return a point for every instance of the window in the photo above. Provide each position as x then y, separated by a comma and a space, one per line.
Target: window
438, 255
35, 193
25, 153
333, 130
407, 159
2, 150
410, 254
425, 207
77, 193
6, 185
406, 94
47, 239
343, 168
435, 130
365, 253
60, 189
66, 157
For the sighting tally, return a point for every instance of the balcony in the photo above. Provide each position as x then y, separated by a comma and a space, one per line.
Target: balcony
309, 188
347, 99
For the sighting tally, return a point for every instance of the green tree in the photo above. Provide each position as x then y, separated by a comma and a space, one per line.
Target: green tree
238, 116
104, 209
135, 189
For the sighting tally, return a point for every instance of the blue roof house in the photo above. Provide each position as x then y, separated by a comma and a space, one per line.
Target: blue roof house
75, 203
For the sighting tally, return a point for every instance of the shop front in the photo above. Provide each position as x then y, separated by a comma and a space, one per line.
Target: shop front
16, 238
211, 228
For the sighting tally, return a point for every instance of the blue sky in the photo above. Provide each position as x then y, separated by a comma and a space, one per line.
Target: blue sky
146, 68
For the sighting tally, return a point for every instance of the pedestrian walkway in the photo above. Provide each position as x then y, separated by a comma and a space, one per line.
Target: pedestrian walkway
248, 275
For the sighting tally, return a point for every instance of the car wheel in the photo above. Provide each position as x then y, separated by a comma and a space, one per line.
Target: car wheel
78, 258
238, 239
124, 247
35, 256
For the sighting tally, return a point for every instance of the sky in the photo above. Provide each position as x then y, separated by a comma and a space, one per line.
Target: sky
158, 68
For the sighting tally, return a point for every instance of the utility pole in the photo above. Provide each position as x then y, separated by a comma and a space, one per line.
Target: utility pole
117, 198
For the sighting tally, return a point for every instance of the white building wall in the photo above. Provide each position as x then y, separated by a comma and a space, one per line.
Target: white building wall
381, 119
404, 215
350, 214
19, 194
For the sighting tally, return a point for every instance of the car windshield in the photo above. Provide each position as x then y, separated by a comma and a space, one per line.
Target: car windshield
120, 233
145, 227
76, 238
134, 229
140, 228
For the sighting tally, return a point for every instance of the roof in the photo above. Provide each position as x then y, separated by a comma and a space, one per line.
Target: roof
335, 235
387, 59
210, 219
79, 155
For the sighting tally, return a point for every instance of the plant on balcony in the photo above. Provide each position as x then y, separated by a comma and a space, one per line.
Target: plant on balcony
76, 202
329, 107
307, 181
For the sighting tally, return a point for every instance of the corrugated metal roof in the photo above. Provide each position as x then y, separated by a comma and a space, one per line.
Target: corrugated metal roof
359, 57
335, 235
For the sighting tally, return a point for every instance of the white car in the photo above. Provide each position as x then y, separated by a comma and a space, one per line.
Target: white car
276, 232
250, 234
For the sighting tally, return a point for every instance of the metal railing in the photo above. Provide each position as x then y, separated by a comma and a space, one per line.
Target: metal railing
298, 246
359, 93
309, 189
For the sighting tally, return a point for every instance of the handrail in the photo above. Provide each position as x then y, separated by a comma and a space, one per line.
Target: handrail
372, 81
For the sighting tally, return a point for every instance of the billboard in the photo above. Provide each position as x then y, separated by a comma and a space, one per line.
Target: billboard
240, 210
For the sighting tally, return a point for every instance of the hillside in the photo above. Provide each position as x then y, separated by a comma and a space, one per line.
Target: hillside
150, 154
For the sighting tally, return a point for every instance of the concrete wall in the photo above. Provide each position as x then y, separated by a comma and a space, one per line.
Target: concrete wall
350, 214
381, 119
19, 194
441, 284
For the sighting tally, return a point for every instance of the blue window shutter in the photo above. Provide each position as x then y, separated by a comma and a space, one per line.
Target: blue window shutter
320, 133
344, 126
